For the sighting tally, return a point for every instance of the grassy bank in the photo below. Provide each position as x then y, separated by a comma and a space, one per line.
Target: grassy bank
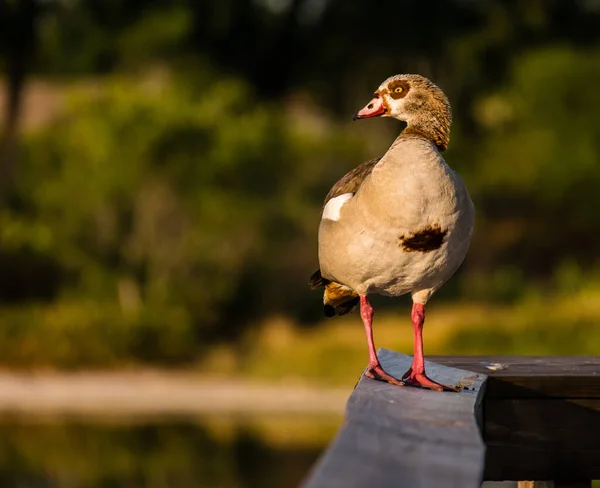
335, 352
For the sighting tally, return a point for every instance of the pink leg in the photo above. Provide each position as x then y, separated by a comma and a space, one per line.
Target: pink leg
416, 373
374, 370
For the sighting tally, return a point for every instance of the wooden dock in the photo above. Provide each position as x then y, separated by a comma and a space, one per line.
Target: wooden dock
516, 418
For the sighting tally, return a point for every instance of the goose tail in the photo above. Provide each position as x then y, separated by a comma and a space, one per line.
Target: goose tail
338, 299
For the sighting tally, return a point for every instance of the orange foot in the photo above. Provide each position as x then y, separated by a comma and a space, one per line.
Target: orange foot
421, 379
378, 373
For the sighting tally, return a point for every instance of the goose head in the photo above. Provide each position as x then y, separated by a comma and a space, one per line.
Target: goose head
415, 100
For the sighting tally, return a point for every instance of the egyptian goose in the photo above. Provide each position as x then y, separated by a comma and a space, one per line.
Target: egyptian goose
398, 224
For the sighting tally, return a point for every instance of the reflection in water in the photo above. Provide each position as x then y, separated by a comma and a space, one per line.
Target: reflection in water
176, 453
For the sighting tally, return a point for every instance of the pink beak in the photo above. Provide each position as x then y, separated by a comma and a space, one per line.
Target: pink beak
373, 109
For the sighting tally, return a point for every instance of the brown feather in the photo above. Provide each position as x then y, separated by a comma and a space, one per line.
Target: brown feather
316, 280
337, 299
425, 240
352, 180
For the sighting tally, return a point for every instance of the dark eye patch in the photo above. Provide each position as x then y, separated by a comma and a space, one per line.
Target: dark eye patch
394, 85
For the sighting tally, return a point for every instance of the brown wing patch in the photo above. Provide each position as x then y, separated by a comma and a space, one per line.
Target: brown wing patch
425, 240
352, 180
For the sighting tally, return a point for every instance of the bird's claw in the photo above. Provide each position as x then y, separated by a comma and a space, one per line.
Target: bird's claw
379, 374
420, 379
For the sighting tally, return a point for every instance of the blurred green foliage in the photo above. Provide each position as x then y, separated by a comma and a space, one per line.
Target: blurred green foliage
158, 216
538, 165
172, 198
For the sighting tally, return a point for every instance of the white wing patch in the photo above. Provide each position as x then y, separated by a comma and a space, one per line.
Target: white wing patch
334, 206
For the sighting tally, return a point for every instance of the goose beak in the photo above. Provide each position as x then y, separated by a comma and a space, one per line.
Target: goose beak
374, 108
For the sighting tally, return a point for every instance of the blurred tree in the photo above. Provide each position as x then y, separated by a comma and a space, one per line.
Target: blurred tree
539, 168
175, 200
187, 209
18, 20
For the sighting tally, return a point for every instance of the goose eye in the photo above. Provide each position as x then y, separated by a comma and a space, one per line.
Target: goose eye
398, 89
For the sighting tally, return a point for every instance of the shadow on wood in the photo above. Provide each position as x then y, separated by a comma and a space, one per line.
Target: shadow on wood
542, 417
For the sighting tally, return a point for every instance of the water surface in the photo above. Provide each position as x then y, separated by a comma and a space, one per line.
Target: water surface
219, 452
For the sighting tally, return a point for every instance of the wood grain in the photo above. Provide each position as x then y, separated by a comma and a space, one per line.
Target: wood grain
533, 376
405, 436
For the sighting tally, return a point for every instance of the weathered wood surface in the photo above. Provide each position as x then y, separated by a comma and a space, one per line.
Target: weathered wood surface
533, 376
407, 437
542, 416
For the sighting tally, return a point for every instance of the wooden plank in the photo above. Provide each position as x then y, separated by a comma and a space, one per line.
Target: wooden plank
511, 461
542, 416
544, 424
404, 436
533, 376
542, 439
